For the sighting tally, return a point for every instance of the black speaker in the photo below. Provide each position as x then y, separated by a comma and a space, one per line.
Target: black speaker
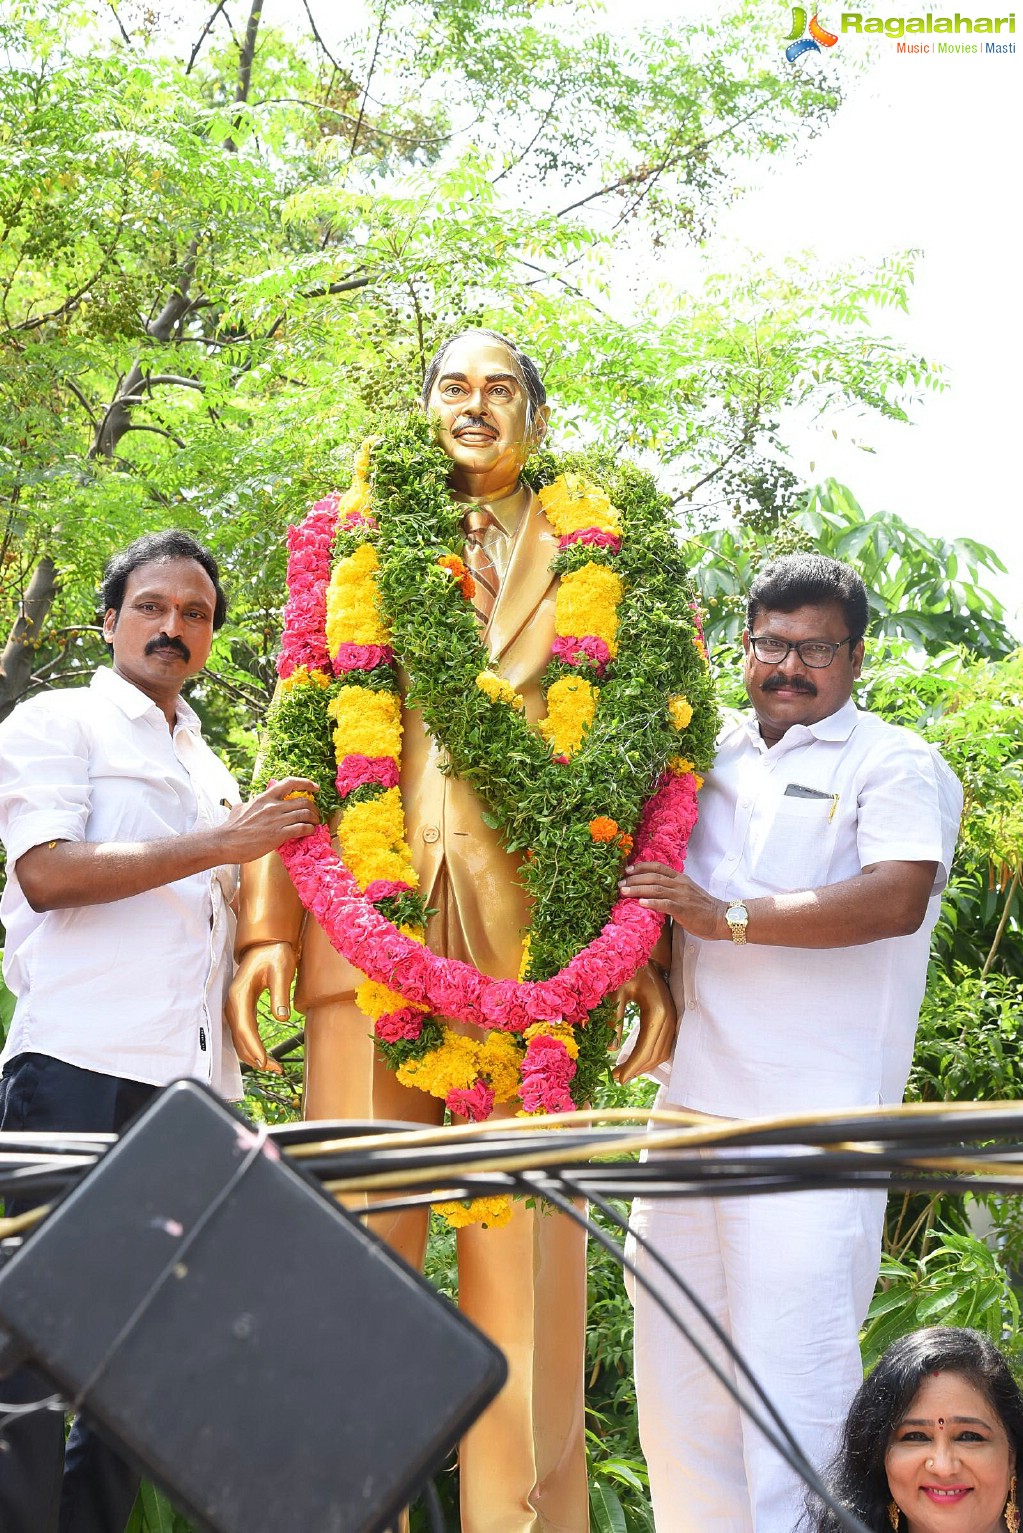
256, 1352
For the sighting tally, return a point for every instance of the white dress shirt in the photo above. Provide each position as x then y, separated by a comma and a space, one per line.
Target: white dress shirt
134, 987
768, 1030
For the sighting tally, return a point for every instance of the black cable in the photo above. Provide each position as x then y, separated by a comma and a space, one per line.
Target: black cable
434, 1510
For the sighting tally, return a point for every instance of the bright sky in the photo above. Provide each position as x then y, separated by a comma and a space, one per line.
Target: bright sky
925, 153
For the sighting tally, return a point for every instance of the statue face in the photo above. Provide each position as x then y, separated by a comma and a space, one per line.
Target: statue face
481, 405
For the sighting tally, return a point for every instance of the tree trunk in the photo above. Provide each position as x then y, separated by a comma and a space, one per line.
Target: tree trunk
23, 642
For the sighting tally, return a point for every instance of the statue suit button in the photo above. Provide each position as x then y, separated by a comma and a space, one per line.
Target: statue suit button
431, 834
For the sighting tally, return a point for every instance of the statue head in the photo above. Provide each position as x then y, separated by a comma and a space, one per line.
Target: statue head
491, 410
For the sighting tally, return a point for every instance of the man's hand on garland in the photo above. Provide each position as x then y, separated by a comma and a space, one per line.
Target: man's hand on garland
660, 888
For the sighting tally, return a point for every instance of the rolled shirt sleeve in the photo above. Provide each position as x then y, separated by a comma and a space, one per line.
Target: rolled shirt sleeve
45, 792
908, 809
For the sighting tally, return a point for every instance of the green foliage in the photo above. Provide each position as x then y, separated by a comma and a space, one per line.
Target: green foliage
925, 590
215, 268
960, 1281
153, 1513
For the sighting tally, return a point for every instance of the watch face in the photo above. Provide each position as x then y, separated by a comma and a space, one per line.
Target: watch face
737, 915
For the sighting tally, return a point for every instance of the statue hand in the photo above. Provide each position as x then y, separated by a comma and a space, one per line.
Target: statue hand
265, 966
658, 1022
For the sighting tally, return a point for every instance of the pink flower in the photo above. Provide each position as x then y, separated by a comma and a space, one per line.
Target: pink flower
409, 974
455, 990
458, 990
355, 519
498, 1002
386, 889
399, 1026
305, 613
547, 1071
355, 771
329, 502
593, 537
362, 657
474, 1103
570, 650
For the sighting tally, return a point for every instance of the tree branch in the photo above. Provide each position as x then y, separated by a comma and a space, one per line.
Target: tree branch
319, 39
245, 61
203, 35
120, 28
157, 431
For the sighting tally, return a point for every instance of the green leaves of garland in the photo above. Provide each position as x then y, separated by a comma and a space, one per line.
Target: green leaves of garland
540, 805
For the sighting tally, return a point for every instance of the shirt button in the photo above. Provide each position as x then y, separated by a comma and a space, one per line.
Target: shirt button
431, 834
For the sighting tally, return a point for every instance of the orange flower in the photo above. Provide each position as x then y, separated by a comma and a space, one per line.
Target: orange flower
603, 829
625, 842
459, 571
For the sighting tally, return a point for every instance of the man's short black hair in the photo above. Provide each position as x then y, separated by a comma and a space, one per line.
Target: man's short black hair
809, 580
157, 548
536, 394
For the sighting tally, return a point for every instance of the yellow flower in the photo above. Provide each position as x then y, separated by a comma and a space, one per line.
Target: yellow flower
499, 690
493, 1212
524, 961
680, 765
698, 780
680, 711
571, 706
353, 602
587, 605
700, 647
368, 723
572, 504
375, 1000
371, 836
360, 465
453, 1066
500, 1060
300, 677
563, 1031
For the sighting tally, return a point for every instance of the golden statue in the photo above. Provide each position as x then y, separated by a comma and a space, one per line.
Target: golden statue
523, 1464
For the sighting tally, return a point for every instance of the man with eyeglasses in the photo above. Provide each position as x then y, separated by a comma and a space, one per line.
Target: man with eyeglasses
801, 936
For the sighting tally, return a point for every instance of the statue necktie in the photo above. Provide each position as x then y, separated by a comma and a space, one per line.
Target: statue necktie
479, 562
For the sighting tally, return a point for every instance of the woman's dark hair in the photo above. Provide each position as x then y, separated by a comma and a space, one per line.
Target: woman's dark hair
856, 1476
809, 580
536, 394
155, 548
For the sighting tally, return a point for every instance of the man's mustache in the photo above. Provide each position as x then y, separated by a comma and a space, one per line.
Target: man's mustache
473, 423
163, 642
793, 683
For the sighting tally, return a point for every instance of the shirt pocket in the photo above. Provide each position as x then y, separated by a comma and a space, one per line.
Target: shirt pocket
798, 843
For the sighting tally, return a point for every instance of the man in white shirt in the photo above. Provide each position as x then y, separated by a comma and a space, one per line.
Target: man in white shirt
802, 930
123, 833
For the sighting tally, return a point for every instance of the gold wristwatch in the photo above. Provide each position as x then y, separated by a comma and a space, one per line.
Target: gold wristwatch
737, 917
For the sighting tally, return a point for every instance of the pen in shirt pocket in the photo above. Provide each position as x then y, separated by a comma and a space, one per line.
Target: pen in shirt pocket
799, 790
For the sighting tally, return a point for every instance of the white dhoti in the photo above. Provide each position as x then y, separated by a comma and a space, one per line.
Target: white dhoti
788, 1277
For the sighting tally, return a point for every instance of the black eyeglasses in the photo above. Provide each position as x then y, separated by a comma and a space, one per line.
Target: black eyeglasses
815, 654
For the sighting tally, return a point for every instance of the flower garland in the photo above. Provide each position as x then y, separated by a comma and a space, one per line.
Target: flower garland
375, 574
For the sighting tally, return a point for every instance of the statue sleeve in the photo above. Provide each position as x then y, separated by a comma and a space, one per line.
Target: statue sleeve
269, 907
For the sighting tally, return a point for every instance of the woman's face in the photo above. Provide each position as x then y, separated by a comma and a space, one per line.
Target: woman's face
949, 1462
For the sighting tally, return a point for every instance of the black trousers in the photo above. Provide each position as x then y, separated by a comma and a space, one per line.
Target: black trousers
45, 1488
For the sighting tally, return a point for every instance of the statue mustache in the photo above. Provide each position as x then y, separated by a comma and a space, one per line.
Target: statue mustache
473, 423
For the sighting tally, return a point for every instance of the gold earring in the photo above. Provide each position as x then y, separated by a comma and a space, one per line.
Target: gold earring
1011, 1509
893, 1515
